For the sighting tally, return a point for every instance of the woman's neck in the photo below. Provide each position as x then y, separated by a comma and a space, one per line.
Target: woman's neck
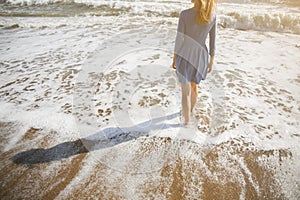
196, 7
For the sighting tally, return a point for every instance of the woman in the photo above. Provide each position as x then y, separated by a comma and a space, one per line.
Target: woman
191, 54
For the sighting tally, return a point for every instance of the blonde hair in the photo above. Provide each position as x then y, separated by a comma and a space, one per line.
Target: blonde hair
205, 11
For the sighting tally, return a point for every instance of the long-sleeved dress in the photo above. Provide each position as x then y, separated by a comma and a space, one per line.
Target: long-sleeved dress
192, 53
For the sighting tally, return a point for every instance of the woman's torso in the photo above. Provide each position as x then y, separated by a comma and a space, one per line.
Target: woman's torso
197, 32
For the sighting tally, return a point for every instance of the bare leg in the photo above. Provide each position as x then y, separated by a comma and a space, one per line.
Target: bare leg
194, 95
186, 102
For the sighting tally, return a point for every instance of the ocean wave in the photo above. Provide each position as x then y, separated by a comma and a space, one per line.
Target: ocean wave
124, 2
282, 2
262, 22
60, 9
34, 2
230, 15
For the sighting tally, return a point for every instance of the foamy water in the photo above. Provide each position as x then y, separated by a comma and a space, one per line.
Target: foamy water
279, 16
90, 106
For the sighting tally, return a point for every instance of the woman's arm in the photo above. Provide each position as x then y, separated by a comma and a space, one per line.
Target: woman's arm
179, 38
212, 44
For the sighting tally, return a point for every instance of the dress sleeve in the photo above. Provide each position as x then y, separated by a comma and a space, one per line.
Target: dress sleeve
180, 34
212, 38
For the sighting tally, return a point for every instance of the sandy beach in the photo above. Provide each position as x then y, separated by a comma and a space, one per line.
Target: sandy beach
90, 107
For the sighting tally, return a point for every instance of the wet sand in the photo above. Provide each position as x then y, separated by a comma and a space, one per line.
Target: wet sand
227, 171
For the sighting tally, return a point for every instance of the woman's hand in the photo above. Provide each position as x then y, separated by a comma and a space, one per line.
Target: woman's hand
210, 64
174, 61
174, 65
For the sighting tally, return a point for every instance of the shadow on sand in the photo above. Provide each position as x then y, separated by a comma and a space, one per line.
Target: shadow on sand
103, 139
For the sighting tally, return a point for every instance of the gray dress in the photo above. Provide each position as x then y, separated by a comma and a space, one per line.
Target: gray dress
192, 53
